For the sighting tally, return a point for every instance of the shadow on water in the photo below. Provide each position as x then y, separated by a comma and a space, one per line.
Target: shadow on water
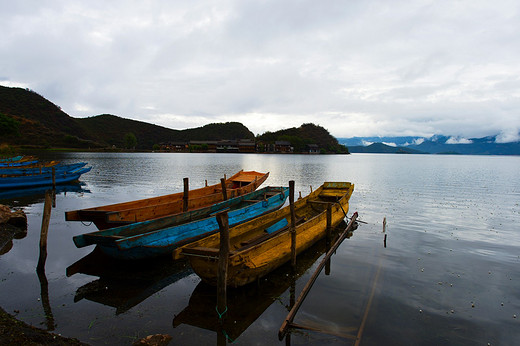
247, 303
124, 284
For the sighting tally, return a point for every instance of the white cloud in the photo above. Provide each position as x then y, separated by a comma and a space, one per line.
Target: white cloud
356, 68
508, 136
390, 144
458, 140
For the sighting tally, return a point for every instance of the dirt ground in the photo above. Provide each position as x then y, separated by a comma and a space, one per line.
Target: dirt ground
14, 332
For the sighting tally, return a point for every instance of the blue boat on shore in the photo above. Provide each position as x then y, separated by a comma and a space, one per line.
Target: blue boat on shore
161, 236
44, 179
12, 171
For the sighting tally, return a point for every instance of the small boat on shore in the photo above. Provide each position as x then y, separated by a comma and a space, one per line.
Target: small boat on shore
261, 245
120, 214
11, 159
19, 163
29, 181
40, 169
161, 236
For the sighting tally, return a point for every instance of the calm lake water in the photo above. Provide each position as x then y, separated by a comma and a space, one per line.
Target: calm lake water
449, 274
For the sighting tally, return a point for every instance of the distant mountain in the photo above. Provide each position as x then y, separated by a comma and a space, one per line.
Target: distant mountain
391, 141
438, 144
381, 148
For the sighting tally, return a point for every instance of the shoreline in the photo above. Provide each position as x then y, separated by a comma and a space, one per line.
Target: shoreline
16, 332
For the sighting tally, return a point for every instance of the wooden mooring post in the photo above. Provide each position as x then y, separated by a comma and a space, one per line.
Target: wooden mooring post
328, 239
185, 195
290, 317
53, 178
44, 231
223, 258
293, 223
223, 184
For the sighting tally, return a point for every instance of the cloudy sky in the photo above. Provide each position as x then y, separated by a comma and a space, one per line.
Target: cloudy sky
357, 68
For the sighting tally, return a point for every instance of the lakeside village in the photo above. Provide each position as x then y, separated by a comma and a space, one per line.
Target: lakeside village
236, 146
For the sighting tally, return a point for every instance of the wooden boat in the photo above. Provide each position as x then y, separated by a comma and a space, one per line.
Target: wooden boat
259, 246
40, 169
20, 163
11, 159
119, 214
160, 236
45, 179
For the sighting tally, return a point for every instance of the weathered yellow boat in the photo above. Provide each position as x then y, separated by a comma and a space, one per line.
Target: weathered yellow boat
120, 214
263, 244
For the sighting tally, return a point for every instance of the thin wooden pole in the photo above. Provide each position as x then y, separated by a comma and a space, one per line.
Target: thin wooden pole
223, 184
293, 224
53, 177
44, 231
329, 236
223, 225
186, 195
290, 317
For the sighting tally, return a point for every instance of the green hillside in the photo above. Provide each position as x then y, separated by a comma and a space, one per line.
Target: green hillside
115, 129
300, 137
28, 119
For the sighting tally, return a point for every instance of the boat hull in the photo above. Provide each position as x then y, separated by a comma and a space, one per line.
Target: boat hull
11, 183
161, 236
251, 257
120, 214
46, 168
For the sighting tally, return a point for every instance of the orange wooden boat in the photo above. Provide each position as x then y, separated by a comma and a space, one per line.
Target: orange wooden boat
120, 214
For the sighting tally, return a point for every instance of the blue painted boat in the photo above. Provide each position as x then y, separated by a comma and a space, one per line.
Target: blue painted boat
18, 163
41, 179
161, 236
11, 159
12, 171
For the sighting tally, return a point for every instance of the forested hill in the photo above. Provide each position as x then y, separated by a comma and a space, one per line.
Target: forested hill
300, 137
115, 128
28, 119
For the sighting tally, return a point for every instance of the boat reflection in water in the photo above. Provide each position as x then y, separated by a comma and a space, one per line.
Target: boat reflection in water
124, 286
35, 195
246, 303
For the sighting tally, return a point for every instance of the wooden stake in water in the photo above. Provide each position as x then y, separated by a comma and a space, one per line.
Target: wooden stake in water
293, 223
384, 230
223, 184
44, 231
328, 236
53, 178
185, 196
290, 317
223, 258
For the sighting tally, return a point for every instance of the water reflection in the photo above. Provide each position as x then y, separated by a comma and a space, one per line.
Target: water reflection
7, 234
124, 284
37, 195
245, 304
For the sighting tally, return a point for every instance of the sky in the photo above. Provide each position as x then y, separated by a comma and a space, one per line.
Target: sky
357, 68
